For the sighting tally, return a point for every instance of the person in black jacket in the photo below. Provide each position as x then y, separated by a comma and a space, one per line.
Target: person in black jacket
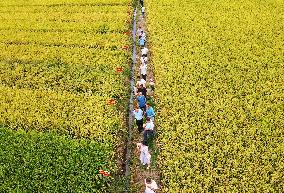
142, 89
142, 3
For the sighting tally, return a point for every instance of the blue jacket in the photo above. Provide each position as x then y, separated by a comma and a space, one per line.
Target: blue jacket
150, 112
142, 42
141, 100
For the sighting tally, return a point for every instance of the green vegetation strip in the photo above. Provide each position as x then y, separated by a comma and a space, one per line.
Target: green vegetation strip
39, 162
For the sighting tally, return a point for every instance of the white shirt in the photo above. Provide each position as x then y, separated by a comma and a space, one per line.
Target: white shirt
149, 125
146, 60
143, 35
143, 69
143, 9
145, 51
138, 115
139, 31
148, 190
141, 81
142, 60
151, 187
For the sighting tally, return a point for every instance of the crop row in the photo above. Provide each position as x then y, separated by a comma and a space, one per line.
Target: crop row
60, 76
64, 38
77, 115
62, 3
219, 71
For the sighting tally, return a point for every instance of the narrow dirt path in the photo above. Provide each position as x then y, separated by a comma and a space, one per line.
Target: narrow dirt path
139, 172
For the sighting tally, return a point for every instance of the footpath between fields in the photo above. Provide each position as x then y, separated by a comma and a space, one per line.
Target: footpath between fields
135, 172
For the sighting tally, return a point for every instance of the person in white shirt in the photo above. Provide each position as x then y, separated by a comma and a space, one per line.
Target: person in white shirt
144, 51
150, 185
138, 114
143, 35
149, 126
144, 59
140, 81
145, 156
143, 11
148, 133
143, 71
139, 31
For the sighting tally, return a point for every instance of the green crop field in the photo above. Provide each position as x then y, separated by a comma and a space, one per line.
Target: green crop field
58, 64
220, 78
38, 162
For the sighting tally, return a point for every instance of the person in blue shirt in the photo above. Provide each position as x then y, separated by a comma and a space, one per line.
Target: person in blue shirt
138, 114
141, 99
150, 112
142, 41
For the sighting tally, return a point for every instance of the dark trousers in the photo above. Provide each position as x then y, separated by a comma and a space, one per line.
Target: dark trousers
139, 123
148, 136
143, 108
144, 76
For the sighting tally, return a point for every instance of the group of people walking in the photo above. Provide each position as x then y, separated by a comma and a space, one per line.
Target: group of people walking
144, 111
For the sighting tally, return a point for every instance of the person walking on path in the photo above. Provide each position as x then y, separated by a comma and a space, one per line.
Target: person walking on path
143, 11
141, 99
152, 85
145, 156
142, 42
150, 112
142, 60
150, 185
143, 70
143, 35
139, 31
143, 90
144, 51
148, 131
142, 2
138, 114
140, 81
